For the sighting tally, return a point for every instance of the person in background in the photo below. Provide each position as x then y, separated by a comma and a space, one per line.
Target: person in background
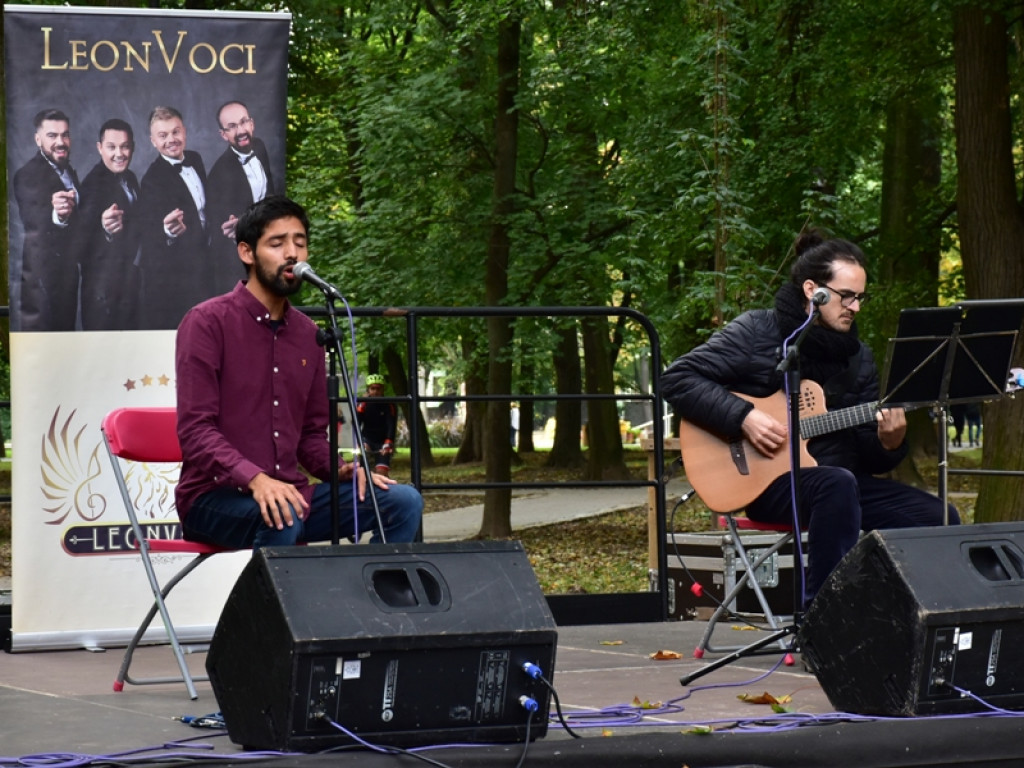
253, 410
377, 424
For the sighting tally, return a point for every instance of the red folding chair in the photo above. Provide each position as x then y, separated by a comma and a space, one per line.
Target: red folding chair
150, 435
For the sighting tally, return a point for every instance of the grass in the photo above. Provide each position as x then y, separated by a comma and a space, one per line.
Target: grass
593, 555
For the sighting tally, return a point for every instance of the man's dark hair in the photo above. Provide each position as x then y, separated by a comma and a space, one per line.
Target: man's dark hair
49, 114
257, 216
815, 255
117, 124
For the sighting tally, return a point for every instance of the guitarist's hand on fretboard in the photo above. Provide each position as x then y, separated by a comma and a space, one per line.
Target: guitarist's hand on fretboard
764, 432
892, 426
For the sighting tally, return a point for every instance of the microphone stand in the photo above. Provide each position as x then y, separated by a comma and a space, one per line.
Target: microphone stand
790, 367
330, 338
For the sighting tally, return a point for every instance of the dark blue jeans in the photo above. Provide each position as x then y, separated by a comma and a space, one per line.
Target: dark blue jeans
229, 518
838, 505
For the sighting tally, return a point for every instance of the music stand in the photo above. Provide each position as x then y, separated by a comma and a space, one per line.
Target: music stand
942, 356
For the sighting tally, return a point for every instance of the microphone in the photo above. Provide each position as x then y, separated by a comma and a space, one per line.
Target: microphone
820, 296
303, 271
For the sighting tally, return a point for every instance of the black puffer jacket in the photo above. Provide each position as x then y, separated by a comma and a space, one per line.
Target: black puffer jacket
743, 357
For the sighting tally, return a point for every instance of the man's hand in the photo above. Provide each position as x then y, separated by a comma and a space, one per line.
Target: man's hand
345, 472
388, 448
229, 226
112, 220
764, 432
892, 427
63, 204
174, 223
276, 500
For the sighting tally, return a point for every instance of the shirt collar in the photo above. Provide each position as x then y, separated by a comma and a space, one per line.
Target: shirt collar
255, 307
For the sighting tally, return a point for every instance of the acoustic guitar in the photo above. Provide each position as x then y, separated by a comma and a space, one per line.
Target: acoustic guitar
728, 475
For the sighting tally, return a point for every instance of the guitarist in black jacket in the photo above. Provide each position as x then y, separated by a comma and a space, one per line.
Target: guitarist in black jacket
841, 495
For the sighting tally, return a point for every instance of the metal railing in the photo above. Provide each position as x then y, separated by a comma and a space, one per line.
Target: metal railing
568, 609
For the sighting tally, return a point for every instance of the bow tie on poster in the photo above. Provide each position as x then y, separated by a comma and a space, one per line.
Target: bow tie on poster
246, 158
186, 163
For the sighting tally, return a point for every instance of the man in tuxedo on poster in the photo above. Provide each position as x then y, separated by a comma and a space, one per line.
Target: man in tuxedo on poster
176, 229
842, 495
109, 246
240, 177
47, 191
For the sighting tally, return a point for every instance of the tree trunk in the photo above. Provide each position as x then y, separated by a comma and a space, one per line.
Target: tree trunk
604, 455
472, 446
524, 440
910, 239
991, 224
565, 450
413, 418
497, 517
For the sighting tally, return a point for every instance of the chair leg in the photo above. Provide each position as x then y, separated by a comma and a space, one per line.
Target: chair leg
746, 580
159, 606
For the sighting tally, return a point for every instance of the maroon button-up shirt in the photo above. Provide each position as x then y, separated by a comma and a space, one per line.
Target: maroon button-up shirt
251, 398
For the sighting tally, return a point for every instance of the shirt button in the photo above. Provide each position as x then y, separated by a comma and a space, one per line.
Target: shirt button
277, 434
275, 403
275, 369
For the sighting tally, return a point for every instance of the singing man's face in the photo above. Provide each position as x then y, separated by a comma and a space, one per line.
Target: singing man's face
282, 245
168, 137
53, 137
116, 150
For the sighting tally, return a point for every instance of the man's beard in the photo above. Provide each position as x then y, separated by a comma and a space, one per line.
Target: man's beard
276, 282
62, 162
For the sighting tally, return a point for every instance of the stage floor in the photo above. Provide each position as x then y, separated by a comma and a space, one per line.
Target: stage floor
628, 709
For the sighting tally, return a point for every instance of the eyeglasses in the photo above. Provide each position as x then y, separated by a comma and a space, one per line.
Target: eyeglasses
245, 122
846, 298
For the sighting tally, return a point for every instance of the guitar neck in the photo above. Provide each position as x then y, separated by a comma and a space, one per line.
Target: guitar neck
823, 423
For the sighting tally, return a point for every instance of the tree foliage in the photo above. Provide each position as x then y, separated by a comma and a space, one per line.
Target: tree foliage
667, 152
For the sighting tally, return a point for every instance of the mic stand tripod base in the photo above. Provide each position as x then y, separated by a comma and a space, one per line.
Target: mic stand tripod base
753, 648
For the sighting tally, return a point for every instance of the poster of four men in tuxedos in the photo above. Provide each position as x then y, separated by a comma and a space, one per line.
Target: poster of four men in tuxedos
127, 183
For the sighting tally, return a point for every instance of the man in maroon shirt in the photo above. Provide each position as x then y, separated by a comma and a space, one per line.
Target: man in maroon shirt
252, 409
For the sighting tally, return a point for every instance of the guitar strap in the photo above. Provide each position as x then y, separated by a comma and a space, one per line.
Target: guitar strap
837, 385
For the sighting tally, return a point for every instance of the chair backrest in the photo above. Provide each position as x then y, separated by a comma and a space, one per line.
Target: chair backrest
143, 434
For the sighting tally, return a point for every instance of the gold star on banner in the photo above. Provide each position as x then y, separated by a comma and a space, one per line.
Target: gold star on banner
147, 381
164, 380
129, 385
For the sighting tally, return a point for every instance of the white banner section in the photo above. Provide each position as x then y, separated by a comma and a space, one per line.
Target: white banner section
77, 580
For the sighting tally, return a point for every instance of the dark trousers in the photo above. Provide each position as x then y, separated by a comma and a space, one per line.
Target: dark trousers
230, 518
838, 505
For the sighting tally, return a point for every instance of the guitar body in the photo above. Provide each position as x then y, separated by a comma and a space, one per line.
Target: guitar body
729, 475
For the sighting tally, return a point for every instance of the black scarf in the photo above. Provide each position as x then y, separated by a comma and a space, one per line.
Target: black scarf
824, 352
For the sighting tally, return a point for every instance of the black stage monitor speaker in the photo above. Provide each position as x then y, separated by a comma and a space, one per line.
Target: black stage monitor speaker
914, 620
400, 644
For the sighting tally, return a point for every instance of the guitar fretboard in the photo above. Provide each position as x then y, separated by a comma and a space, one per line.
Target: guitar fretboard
823, 423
